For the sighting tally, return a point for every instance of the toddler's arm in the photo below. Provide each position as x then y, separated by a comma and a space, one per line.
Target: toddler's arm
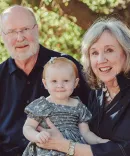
30, 132
89, 136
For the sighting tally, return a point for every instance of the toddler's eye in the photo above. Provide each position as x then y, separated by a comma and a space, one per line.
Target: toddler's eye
66, 80
54, 81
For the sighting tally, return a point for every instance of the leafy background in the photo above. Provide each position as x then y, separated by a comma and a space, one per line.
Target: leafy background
62, 23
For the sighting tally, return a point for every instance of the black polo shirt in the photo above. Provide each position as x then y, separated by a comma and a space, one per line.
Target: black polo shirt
17, 90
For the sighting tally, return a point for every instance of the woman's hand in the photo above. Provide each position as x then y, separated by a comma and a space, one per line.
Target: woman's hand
53, 130
57, 142
56, 139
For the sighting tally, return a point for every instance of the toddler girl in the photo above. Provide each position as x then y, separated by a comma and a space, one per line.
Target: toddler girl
69, 114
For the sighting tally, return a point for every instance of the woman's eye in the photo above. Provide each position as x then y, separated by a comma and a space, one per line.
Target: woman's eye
94, 53
109, 50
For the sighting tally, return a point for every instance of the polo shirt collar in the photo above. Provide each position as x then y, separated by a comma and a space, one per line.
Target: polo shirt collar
12, 65
42, 54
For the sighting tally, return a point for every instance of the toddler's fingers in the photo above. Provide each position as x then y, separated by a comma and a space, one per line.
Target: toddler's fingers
45, 133
44, 137
39, 140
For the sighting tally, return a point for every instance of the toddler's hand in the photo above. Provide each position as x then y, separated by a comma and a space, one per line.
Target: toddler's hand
42, 136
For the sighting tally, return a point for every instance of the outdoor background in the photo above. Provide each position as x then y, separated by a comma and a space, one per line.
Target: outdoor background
62, 23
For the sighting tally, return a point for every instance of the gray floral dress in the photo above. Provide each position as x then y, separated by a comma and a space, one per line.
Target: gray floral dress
65, 118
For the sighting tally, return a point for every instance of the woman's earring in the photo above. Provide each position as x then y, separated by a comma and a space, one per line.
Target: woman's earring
107, 94
100, 83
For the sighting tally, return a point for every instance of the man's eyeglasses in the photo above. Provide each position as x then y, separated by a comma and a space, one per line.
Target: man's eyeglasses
14, 33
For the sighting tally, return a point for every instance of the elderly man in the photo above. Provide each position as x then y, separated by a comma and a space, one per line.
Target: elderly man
20, 76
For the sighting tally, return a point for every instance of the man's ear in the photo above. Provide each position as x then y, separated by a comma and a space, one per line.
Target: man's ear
44, 82
76, 82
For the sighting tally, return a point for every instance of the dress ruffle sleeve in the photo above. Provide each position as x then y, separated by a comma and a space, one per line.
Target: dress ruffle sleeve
39, 109
84, 114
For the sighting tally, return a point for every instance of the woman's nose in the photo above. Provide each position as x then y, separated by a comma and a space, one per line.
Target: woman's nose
102, 58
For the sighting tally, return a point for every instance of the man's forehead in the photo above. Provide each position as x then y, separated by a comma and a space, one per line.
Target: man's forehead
11, 20
16, 13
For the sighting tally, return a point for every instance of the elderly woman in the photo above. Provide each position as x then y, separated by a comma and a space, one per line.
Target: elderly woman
106, 59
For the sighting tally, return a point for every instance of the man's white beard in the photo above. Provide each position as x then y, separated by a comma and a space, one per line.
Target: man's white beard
23, 56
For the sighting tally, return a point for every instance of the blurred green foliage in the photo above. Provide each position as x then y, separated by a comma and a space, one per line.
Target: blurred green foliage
4, 4
3, 53
102, 6
105, 6
56, 32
